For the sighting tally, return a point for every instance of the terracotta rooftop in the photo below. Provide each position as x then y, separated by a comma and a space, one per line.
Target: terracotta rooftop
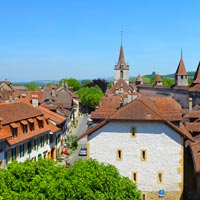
107, 107
193, 114
181, 68
120, 87
158, 78
166, 106
12, 112
58, 119
34, 94
138, 110
195, 150
197, 75
21, 136
121, 62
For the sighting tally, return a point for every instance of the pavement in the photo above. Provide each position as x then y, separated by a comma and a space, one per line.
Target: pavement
79, 129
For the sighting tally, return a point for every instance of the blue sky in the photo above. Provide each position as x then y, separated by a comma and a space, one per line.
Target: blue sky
42, 40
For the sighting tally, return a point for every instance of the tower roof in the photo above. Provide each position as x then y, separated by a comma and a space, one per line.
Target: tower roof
158, 78
181, 68
139, 78
121, 62
197, 75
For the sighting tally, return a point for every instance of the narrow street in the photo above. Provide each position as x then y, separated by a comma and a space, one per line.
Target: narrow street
81, 128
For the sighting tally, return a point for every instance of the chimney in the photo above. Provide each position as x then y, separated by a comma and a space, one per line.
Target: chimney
53, 92
190, 104
35, 101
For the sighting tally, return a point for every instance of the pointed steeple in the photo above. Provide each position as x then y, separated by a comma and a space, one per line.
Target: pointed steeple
121, 61
181, 71
139, 80
181, 76
197, 75
158, 80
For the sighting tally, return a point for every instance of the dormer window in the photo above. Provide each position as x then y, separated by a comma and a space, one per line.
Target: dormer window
14, 129
24, 126
40, 122
31, 125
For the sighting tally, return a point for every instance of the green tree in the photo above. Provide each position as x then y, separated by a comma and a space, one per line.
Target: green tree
90, 97
32, 86
43, 180
102, 83
101, 181
71, 82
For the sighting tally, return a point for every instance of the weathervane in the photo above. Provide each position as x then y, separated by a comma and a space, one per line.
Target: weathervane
121, 36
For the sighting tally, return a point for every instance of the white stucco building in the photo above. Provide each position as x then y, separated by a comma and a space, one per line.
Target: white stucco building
144, 147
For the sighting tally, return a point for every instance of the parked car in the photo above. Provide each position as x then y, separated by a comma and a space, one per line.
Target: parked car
83, 151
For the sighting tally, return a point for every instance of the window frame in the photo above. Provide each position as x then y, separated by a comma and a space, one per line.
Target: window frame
134, 176
133, 133
143, 155
119, 154
160, 177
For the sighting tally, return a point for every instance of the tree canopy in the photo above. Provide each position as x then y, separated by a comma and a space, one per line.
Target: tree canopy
102, 83
85, 180
72, 82
32, 86
90, 97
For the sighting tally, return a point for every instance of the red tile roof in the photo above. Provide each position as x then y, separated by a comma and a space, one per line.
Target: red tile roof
52, 115
158, 78
197, 75
136, 110
195, 150
18, 111
167, 107
121, 86
21, 136
181, 68
107, 107
53, 128
193, 114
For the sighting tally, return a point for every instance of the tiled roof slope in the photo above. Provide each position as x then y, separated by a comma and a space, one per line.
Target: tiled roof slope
121, 61
21, 136
158, 78
197, 75
107, 107
52, 115
167, 107
181, 68
12, 112
119, 85
136, 110
196, 153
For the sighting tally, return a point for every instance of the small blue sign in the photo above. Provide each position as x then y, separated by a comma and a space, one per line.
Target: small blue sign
161, 193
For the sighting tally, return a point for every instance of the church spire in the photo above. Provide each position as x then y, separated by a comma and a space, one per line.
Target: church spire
181, 76
197, 75
121, 69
